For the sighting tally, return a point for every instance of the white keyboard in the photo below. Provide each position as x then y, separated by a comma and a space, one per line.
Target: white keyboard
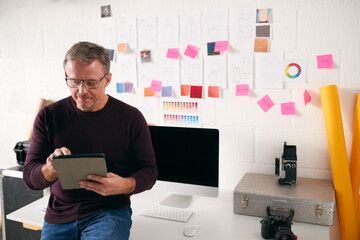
168, 213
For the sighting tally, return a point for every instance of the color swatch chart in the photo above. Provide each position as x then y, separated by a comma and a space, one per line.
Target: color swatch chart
181, 113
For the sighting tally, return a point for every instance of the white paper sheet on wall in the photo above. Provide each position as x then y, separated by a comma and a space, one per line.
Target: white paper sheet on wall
149, 107
295, 72
168, 31
107, 33
190, 29
191, 71
242, 25
240, 69
147, 32
169, 72
216, 25
127, 32
215, 71
127, 69
269, 70
147, 71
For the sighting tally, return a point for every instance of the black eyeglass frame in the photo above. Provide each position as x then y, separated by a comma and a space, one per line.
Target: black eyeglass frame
84, 81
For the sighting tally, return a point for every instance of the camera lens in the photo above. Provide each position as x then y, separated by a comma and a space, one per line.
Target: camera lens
284, 234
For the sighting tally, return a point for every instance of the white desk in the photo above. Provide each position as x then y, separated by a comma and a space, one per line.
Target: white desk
214, 215
31, 214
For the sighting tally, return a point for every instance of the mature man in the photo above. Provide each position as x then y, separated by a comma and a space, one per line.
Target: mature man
90, 121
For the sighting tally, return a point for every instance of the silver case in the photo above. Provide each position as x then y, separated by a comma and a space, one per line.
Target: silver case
312, 199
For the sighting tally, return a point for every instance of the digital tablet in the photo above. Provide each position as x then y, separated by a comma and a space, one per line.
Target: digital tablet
73, 168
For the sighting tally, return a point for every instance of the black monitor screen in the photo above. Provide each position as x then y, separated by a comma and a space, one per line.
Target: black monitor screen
187, 155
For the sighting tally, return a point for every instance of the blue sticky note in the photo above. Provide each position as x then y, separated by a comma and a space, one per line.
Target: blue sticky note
120, 87
166, 91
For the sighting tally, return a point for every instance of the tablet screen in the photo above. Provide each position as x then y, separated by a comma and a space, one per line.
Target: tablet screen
73, 168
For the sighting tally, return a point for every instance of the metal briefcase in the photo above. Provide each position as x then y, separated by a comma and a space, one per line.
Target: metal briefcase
312, 199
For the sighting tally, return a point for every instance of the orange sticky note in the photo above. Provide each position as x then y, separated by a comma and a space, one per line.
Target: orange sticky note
121, 47
214, 91
261, 45
148, 92
185, 90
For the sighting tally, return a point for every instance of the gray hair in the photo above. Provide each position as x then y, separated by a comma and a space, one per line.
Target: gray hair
87, 52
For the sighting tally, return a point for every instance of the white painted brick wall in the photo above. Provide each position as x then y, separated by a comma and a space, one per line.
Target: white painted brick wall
34, 36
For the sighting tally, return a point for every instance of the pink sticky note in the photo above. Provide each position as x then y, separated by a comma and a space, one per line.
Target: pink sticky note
307, 97
221, 46
288, 108
214, 91
155, 86
266, 103
191, 51
173, 53
242, 90
325, 61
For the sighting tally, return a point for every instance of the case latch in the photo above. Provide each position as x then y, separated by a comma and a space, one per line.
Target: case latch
245, 202
318, 211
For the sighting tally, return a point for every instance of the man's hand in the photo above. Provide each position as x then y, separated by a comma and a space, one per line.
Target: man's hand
111, 185
48, 169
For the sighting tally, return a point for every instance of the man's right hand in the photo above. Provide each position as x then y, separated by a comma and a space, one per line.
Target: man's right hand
48, 169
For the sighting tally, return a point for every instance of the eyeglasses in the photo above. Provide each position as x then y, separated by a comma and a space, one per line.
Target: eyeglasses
90, 84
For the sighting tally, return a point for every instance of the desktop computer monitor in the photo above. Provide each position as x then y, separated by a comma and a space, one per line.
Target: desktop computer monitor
187, 161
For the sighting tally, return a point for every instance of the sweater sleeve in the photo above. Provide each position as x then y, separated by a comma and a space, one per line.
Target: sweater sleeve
142, 153
36, 156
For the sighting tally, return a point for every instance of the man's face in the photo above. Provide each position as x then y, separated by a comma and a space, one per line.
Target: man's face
88, 100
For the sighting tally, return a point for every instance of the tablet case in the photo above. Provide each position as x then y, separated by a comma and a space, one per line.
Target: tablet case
73, 168
312, 199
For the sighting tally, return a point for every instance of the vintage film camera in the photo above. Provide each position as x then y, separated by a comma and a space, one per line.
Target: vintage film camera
277, 226
285, 167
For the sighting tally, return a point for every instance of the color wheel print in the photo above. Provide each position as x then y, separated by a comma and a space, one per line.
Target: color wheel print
293, 65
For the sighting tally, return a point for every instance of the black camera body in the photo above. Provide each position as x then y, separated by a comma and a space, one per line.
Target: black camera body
277, 226
286, 167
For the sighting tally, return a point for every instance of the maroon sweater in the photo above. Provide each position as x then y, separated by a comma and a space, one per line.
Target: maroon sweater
118, 130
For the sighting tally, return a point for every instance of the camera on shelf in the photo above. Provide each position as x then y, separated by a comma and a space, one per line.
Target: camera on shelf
285, 167
277, 226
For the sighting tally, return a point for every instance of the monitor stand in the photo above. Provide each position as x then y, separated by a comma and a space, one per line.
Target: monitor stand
179, 201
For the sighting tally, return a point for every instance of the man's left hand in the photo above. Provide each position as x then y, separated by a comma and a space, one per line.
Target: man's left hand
111, 185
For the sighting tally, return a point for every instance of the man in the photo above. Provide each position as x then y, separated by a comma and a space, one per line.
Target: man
90, 121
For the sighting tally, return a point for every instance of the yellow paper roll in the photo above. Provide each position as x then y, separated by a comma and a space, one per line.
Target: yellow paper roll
355, 161
339, 162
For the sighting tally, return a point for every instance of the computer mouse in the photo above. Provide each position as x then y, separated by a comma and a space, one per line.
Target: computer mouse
191, 230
